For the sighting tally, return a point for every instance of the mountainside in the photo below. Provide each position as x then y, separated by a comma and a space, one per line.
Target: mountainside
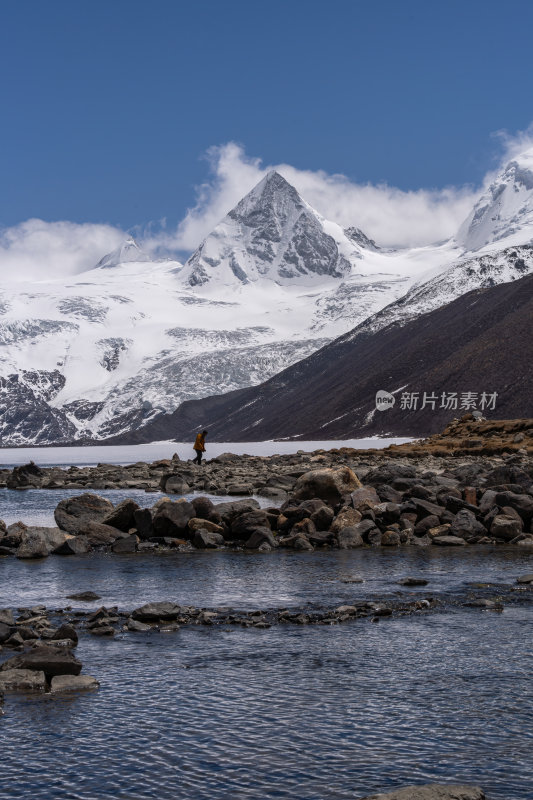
474, 353
106, 352
505, 210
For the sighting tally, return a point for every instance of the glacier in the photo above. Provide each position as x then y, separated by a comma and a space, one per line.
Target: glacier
105, 351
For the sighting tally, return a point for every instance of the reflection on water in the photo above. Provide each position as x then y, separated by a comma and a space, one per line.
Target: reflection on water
329, 713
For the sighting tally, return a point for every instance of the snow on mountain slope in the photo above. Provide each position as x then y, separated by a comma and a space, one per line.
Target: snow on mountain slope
108, 350
132, 337
505, 210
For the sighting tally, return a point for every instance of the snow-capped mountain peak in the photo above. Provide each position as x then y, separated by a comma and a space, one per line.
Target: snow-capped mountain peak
271, 233
127, 252
505, 210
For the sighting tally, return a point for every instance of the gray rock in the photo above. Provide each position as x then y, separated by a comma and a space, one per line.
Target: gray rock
152, 612
33, 545
73, 683
84, 596
122, 516
525, 579
243, 526
127, 545
505, 527
328, 484
135, 626
432, 791
448, 541
22, 680
73, 513
204, 539
258, 537
171, 519
349, 538
50, 660
74, 546
6, 616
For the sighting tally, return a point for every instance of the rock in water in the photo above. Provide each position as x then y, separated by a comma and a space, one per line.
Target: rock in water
22, 680
329, 484
73, 683
50, 660
73, 513
432, 791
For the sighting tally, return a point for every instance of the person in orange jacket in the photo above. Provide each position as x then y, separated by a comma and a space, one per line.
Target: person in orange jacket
199, 446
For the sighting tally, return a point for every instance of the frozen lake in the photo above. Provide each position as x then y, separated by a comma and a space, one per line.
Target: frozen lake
129, 454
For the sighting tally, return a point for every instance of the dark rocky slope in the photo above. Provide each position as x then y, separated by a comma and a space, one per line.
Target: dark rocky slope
481, 342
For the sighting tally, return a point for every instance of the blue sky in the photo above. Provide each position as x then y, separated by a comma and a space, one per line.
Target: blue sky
108, 108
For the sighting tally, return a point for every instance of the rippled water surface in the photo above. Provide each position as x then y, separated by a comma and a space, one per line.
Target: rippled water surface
311, 713
307, 713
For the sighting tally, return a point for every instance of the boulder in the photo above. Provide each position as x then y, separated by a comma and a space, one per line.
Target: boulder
50, 660
5, 632
33, 545
122, 516
152, 612
226, 512
196, 524
73, 513
330, 484
174, 483
525, 579
348, 538
505, 527
74, 546
73, 683
366, 496
100, 535
448, 541
390, 539
203, 507
240, 489
322, 518
346, 518
259, 536
205, 539
171, 519
466, 526
143, 522
126, 545
66, 631
243, 525
22, 680
432, 791
523, 503
26, 476
6, 616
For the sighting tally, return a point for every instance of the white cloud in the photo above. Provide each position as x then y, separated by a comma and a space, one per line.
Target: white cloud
390, 216
37, 250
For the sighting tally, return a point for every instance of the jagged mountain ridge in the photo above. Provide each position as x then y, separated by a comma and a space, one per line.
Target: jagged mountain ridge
133, 338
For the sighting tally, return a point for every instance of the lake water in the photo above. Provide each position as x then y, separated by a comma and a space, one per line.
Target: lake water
299, 713
129, 454
287, 713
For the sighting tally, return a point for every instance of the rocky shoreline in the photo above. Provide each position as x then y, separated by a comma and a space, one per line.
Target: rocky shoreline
323, 500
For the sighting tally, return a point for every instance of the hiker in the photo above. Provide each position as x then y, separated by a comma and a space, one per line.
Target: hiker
199, 446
